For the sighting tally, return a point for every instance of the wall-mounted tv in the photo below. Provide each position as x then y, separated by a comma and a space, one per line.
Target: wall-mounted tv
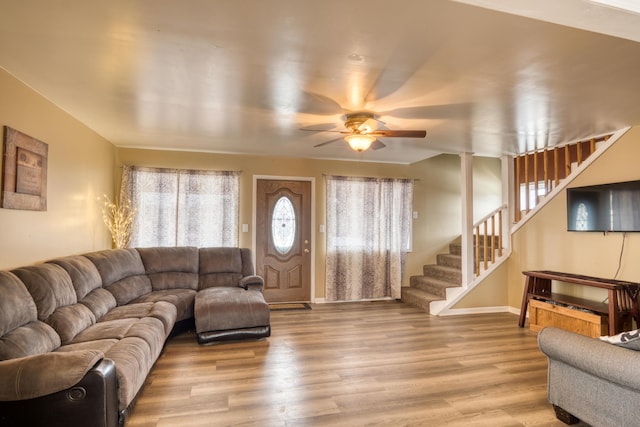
606, 207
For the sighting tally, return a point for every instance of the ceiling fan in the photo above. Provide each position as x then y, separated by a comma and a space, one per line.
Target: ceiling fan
362, 132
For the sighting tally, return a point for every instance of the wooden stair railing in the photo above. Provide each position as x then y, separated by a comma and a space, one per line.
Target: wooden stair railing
488, 239
545, 168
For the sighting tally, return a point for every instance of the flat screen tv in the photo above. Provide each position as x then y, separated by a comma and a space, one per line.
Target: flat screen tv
606, 207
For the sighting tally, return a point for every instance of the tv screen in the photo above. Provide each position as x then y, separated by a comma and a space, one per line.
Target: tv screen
606, 207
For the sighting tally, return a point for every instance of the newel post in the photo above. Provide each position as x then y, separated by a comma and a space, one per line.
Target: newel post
466, 166
508, 198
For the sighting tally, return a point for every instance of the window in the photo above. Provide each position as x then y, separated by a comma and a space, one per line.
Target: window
368, 234
182, 207
283, 225
533, 192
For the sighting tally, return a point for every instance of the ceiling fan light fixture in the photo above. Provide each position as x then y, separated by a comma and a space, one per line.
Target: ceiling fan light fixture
360, 143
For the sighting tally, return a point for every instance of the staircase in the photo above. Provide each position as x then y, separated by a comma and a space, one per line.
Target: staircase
544, 174
435, 279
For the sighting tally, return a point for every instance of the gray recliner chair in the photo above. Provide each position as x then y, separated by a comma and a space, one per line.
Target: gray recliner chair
229, 304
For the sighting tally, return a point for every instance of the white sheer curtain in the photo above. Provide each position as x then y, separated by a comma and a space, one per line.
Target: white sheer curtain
368, 234
178, 207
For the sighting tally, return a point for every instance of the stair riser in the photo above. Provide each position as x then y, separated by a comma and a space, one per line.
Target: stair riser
421, 283
447, 275
448, 260
415, 301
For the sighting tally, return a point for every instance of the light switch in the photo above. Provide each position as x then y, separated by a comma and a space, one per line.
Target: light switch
415, 214
321, 228
245, 228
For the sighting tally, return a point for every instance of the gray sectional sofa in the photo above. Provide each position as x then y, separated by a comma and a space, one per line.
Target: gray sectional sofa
80, 334
591, 380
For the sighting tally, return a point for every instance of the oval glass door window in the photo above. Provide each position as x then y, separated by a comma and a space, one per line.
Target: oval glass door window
283, 225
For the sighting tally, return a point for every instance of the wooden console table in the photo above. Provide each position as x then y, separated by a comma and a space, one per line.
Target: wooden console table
622, 296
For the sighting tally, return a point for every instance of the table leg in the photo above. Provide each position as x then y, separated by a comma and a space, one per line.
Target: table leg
613, 312
525, 300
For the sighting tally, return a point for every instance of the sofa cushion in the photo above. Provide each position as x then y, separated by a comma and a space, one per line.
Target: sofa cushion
70, 320
100, 301
98, 345
121, 328
28, 340
151, 330
21, 333
113, 329
87, 282
171, 267
83, 273
223, 266
55, 297
17, 308
133, 359
163, 311
122, 273
49, 285
182, 299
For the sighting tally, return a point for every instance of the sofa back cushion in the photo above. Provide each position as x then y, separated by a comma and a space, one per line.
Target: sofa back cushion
171, 267
122, 273
49, 285
21, 333
55, 298
87, 282
223, 266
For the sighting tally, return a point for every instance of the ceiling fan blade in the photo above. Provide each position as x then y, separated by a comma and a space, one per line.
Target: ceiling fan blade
321, 130
377, 144
314, 103
320, 127
445, 111
331, 141
399, 133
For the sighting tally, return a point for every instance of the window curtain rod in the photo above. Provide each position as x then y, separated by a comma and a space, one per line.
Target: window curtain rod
157, 169
368, 178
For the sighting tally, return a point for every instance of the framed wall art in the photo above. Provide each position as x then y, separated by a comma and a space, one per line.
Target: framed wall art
24, 172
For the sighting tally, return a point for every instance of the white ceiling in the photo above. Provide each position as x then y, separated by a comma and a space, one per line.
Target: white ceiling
245, 76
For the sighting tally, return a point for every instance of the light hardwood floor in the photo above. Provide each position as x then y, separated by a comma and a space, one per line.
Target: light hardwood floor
353, 364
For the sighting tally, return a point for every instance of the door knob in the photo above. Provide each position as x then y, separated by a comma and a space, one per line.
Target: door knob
306, 251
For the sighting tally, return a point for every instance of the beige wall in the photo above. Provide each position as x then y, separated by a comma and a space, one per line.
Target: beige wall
436, 192
491, 292
80, 169
545, 244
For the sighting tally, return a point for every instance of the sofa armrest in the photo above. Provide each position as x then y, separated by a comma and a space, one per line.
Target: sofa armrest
35, 376
252, 283
598, 358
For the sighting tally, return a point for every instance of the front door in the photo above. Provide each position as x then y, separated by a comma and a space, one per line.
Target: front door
283, 239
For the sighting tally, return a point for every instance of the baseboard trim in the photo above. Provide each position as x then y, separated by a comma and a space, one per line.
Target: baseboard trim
475, 310
459, 311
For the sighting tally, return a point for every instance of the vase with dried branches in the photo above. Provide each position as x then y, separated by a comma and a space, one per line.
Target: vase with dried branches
119, 221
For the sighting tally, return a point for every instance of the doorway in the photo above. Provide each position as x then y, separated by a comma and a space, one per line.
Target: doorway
283, 238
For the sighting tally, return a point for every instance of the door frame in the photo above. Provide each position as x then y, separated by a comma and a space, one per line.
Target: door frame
312, 180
